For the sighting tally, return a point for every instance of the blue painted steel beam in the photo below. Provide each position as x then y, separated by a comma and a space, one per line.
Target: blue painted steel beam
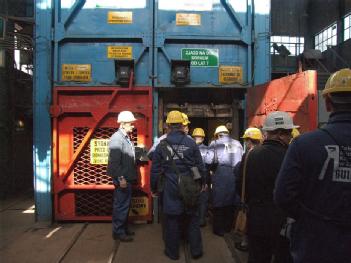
249, 48
41, 102
262, 26
208, 38
232, 14
73, 12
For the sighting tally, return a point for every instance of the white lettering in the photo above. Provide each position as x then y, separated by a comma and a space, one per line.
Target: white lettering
333, 154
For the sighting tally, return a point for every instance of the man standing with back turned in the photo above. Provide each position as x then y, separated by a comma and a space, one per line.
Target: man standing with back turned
122, 168
264, 218
314, 184
174, 157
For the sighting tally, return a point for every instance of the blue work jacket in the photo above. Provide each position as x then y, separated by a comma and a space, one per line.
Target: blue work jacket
189, 151
227, 152
314, 188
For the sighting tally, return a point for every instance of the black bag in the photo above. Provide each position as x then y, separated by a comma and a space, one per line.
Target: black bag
189, 189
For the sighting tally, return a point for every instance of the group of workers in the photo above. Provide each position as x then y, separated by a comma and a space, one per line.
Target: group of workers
297, 193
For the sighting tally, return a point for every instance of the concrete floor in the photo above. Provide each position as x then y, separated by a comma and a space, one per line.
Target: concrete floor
23, 240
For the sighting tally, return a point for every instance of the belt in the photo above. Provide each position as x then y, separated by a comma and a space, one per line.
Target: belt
225, 165
261, 202
315, 214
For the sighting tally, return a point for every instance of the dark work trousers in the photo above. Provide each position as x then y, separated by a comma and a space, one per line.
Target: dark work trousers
263, 248
121, 203
223, 218
161, 215
203, 207
265, 241
173, 231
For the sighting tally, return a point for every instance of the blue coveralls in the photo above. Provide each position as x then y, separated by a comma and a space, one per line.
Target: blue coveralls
121, 163
204, 195
314, 188
173, 207
223, 193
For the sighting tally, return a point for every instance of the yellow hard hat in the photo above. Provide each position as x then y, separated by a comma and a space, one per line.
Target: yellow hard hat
339, 81
174, 117
252, 133
186, 119
198, 132
295, 132
220, 129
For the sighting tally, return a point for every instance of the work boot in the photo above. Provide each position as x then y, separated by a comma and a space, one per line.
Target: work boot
169, 256
197, 256
122, 238
130, 233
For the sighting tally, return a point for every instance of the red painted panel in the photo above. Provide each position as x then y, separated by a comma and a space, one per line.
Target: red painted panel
83, 191
296, 94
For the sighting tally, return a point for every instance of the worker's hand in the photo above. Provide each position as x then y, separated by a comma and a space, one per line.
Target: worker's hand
154, 194
122, 182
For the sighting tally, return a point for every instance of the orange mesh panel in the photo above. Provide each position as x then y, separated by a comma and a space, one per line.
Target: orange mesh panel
84, 172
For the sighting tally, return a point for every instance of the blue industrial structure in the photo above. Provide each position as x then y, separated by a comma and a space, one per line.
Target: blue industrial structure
214, 27
84, 33
41, 117
166, 43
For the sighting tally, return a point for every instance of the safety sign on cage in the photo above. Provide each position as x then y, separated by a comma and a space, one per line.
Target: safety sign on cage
99, 151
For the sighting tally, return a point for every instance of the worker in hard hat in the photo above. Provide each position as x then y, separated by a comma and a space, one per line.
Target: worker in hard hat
176, 156
186, 123
294, 133
252, 137
314, 183
199, 137
122, 168
185, 127
222, 156
262, 166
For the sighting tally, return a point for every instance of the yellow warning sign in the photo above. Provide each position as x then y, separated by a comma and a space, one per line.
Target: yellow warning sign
120, 17
99, 151
76, 72
230, 74
139, 206
185, 19
120, 52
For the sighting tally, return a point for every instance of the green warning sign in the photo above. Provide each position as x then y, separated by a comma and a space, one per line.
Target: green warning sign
201, 57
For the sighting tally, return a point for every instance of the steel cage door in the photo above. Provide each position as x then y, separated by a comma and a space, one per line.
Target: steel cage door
295, 94
84, 118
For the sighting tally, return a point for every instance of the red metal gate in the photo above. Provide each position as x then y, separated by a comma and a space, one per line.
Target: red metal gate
84, 118
296, 94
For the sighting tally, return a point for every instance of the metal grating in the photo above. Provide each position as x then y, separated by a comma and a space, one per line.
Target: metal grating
84, 172
94, 203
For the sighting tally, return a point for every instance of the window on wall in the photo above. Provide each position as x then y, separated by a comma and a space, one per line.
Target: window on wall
293, 44
347, 27
325, 38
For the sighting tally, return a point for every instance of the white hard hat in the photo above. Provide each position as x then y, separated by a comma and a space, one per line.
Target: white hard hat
125, 116
278, 120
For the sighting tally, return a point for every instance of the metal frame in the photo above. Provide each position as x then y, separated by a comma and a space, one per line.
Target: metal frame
50, 33
262, 57
63, 177
59, 36
41, 116
244, 38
